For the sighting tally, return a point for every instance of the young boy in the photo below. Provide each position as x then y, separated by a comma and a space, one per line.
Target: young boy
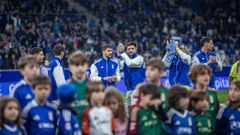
228, 120
22, 91
200, 75
68, 123
199, 104
154, 70
147, 117
97, 119
78, 64
39, 115
180, 121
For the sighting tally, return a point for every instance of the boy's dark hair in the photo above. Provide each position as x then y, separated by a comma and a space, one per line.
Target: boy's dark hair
198, 69
77, 58
26, 60
150, 89
204, 40
175, 94
104, 47
40, 80
156, 63
198, 96
3, 103
93, 86
58, 49
132, 43
35, 50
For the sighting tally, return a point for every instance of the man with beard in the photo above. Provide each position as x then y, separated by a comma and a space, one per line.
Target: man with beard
37, 52
208, 57
105, 69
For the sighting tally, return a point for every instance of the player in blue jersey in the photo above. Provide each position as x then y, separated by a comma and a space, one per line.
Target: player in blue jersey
178, 62
39, 115
105, 69
180, 121
228, 118
10, 117
56, 72
68, 123
22, 91
37, 52
208, 57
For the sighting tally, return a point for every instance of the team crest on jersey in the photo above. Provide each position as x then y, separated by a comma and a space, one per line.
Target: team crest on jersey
211, 99
36, 117
50, 116
68, 126
232, 117
163, 96
101, 66
112, 66
190, 121
28, 96
177, 123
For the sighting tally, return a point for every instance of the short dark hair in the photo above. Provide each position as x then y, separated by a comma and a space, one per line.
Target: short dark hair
150, 89
198, 96
26, 60
204, 40
132, 43
40, 80
35, 50
3, 104
58, 49
156, 63
104, 47
175, 94
77, 58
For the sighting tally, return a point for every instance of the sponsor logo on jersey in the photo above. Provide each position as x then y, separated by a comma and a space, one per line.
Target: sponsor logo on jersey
235, 125
184, 130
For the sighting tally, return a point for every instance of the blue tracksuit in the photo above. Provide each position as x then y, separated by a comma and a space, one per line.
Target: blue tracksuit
178, 72
228, 121
181, 123
54, 63
40, 119
23, 93
134, 72
68, 123
12, 129
201, 57
103, 68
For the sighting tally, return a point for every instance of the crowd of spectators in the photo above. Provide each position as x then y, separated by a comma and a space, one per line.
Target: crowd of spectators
27, 23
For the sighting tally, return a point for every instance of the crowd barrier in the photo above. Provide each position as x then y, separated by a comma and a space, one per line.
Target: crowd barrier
8, 78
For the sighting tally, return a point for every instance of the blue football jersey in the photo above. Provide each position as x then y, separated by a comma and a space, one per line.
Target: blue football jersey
228, 121
181, 123
68, 124
40, 119
12, 129
22, 91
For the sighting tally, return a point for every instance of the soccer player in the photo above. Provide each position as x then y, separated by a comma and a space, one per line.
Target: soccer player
228, 120
56, 72
133, 66
105, 69
208, 57
200, 75
37, 52
147, 117
22, 91
97, 119
178, 62
78, 64
179, 119
67, 123
199, 104
39, 115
